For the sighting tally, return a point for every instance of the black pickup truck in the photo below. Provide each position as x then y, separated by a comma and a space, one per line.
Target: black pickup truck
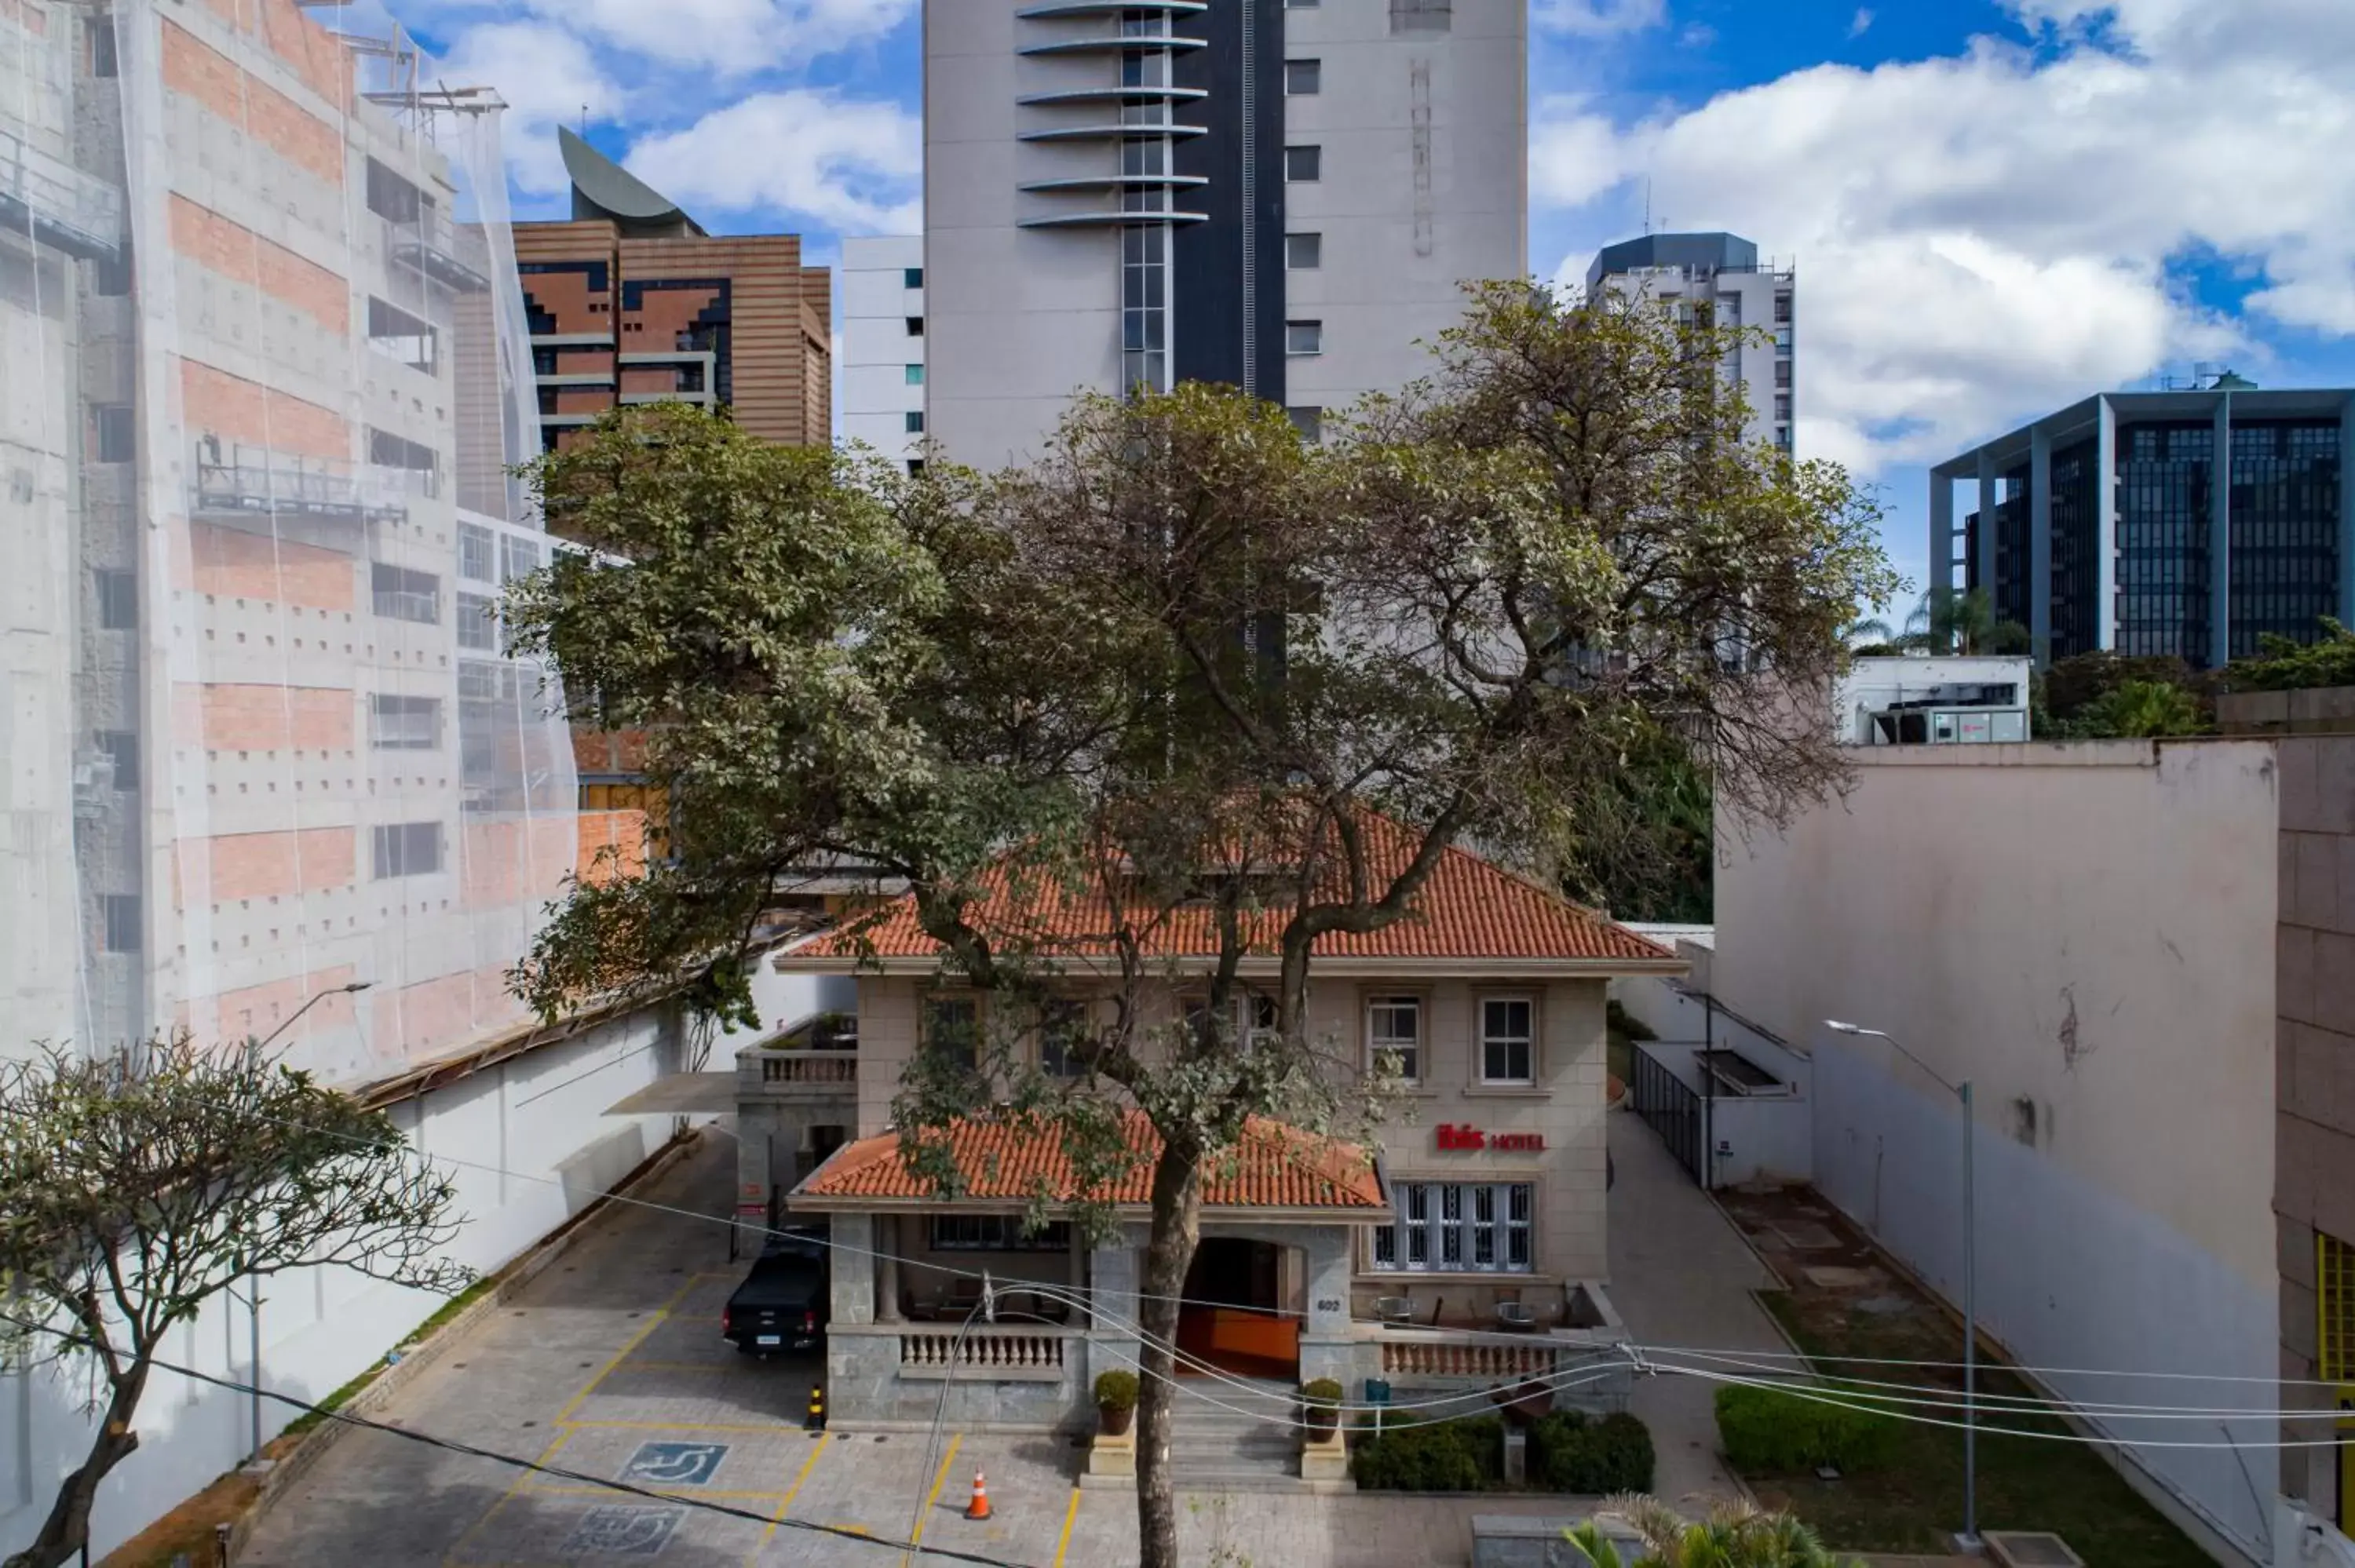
783, 1306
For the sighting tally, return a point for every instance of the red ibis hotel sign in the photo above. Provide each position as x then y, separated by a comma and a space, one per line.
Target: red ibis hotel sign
1455, 1138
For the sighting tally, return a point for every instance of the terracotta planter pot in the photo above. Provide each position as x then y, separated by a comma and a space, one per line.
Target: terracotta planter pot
1113, 1420
1323, 1418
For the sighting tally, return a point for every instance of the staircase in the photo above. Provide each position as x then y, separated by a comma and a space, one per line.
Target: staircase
1217, 1450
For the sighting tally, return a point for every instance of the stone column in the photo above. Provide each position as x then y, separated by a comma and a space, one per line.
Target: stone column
887, 1268
854, 1287
1325, 1343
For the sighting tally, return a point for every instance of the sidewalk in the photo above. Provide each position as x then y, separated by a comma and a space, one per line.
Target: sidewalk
1680, 1275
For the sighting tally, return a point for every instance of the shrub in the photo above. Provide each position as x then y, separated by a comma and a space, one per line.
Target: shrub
2286, 664
1617, 1017
1767, 1432
1568, 1453
1322, 1391
1116, 1389
1430, 1457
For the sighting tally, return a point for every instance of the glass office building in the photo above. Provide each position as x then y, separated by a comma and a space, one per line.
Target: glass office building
2190, 523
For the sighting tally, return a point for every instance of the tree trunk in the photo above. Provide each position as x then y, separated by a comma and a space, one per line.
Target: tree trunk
1168, 1254
67, 1529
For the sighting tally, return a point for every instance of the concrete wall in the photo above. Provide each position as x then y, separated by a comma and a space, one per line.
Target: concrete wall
2315, 1154
1766, 1138
1424, 185
528, 1147
2087, 929
875, 396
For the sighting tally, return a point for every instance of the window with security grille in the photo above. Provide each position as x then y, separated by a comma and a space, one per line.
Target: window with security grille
2334, 1293
1458, 1227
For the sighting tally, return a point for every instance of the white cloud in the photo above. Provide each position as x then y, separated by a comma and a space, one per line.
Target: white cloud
729, 39
1598, 18
1859, 22
546, 77
850, 164
1986, 236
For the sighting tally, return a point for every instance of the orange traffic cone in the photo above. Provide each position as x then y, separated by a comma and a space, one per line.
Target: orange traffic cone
979, 1506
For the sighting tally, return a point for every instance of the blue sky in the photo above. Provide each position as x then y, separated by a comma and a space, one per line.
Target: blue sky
1996, 207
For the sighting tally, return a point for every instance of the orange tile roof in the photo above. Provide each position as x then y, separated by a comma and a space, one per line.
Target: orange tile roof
1468, 908
1276, 1166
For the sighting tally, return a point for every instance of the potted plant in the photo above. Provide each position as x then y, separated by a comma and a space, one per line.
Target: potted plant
1322, 1400
1115, 1401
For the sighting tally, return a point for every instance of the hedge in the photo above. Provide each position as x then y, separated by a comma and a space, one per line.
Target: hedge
1768, 1432
1430, 1457
1567, 1453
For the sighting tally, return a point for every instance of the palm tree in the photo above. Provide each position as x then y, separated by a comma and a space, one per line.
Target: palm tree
1734, 1535
1864, 631
2143, 710
1946, 621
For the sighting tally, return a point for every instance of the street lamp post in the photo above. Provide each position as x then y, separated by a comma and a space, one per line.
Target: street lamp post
1969, 1538
253, 1302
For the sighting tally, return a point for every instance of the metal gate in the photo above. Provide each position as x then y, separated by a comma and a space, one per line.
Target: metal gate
1670, 1109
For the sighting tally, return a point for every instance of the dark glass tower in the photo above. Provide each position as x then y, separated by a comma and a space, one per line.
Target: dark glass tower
2189, 524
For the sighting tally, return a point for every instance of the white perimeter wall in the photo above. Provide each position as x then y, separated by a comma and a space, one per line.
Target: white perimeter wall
2090, 927
538, 1118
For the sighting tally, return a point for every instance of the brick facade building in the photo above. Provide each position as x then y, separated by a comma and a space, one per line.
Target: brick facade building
630, 302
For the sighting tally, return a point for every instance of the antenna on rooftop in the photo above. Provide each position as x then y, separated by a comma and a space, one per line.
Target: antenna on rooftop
1647, 204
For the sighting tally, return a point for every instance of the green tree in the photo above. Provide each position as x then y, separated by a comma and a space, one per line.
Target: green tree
2141, 710
1947, 621
1184, 671
141, 1186
2284, 663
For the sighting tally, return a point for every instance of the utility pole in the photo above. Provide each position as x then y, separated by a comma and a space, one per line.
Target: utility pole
1968, 1541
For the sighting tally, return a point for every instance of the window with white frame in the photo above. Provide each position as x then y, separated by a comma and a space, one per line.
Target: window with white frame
1062, 1035
997, 1233
1458, 1227
953, 1029
1508, 1041
1395, 1034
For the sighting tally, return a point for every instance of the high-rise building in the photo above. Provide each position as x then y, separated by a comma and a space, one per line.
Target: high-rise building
2113, 524
883, 337
264, 376
1719, 274
631, 302
1284, 197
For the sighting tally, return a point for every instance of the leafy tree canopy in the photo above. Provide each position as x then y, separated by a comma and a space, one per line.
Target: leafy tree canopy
142, 1186
1184, 670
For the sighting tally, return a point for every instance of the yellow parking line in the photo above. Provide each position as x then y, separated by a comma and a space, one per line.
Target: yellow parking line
514, 1488
672, 1426
653, 1321
786, 1507
563, 1419
1070, 1518
680, 1494
932, 1497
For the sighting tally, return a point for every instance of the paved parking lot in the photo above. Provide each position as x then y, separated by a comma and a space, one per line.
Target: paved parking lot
611, 1364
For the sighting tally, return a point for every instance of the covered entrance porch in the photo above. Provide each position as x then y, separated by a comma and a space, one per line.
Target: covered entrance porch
1245, 1301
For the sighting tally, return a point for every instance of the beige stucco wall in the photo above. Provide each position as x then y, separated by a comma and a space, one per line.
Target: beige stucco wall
2089, 925
1565, 1104
2088, 928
